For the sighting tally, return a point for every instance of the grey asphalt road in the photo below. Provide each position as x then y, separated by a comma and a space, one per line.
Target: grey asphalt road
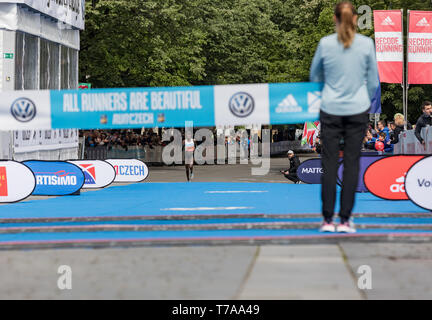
323, 271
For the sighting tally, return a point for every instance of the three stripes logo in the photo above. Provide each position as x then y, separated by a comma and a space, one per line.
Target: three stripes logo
387, 22
423, 23
289, 104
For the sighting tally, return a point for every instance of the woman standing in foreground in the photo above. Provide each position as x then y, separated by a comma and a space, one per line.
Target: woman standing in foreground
345, 61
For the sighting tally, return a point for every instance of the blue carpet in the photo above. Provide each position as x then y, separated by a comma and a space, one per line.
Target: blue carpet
199, 234
155, 198
378, 221
168, 199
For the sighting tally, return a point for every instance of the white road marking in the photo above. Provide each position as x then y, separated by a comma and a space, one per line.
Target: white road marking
206, 208
237, 191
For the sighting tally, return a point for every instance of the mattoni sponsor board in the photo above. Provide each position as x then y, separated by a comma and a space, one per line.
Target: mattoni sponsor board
310, 171
385, 178
56, 178
17, 181
97, 173
365, 162
129, 170
418, 183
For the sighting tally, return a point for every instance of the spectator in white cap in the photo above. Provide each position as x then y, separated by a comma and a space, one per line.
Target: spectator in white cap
291, 173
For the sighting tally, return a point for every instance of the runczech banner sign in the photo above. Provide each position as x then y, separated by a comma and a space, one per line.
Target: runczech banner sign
277, 103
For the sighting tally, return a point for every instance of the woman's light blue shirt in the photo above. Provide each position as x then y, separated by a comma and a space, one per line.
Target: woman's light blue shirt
350, 75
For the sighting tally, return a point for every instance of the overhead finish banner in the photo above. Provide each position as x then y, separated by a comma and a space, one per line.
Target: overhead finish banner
71, 12
279, 103
389, 45
420, 47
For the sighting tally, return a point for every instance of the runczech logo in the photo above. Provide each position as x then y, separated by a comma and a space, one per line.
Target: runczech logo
23, 109
241, 104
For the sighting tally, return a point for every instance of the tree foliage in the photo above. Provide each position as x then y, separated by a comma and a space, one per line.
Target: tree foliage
138, 43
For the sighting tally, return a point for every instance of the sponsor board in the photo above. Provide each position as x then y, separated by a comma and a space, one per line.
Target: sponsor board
365, 162
26, 110
385, 178
55, 178
389, 45
132, 107
248, 104
310, 171
418, 183
129, 170
17, 181
294, 102
241, 104
97, 173
419, 53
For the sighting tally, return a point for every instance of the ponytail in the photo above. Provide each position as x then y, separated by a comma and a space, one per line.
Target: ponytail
346, 29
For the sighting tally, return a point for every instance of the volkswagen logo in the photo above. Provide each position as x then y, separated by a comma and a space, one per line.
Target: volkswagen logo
23, 109
241, 104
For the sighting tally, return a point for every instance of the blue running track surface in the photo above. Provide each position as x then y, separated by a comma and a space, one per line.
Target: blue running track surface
236, 202
153, 199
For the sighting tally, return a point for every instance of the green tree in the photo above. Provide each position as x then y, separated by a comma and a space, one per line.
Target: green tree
207, 42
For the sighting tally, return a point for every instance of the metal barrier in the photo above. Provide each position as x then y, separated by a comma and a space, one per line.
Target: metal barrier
96, 153
282, 147
154, 155
409, 144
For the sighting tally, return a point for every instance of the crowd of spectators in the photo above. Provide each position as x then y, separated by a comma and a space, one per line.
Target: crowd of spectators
123, 138
386, 133
147, 137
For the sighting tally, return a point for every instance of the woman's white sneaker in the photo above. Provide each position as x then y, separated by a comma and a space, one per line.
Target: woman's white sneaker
327, 227
346, 227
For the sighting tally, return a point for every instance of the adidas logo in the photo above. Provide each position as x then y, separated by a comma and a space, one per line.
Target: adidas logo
289, 104
400, 179
387, 22
399, 186
423, 23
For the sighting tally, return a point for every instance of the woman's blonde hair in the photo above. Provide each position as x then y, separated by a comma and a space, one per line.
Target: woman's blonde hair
346, 28
399, 119
399, 116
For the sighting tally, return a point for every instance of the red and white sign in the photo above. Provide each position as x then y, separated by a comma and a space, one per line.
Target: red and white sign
17, 181
129, 170
97, 173
389, 45
385, 178
420, 47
